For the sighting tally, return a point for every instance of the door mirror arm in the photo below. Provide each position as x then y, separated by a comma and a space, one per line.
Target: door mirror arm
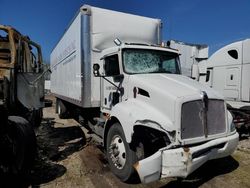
117, 78
121, 76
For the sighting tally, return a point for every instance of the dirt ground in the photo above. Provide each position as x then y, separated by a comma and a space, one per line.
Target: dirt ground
69, 158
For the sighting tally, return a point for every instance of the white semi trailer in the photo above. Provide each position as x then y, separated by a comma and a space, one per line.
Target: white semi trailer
189, 54
227, 71
110, 74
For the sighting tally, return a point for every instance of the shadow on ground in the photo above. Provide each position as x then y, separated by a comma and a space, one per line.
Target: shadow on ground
54, 145
205, 173
244, 137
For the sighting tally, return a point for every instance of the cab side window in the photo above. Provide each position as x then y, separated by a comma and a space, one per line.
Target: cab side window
111, 65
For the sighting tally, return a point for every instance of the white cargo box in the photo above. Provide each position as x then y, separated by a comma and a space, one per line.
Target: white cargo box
190, 54
93, 30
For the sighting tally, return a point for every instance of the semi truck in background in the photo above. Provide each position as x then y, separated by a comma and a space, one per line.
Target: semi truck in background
227, 71
21, 99
189, 54
110, 74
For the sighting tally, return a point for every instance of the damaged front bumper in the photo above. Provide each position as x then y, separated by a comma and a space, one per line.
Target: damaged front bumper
181, 162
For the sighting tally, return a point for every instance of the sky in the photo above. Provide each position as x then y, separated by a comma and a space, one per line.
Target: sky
212, 22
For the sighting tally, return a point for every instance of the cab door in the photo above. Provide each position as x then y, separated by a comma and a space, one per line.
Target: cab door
30, 79
110, 84
227, 73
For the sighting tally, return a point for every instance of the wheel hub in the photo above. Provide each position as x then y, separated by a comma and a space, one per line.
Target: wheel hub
117, 152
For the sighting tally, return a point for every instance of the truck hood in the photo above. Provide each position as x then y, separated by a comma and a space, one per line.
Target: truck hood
172, 85
162, 96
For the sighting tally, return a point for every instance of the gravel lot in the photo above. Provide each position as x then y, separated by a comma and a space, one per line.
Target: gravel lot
69, 158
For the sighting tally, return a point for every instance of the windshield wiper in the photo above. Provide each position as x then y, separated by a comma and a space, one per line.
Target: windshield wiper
161, 71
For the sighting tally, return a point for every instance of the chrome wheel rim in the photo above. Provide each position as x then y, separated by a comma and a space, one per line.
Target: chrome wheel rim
117, 152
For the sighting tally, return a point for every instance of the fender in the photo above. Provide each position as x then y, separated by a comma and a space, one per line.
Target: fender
134, 112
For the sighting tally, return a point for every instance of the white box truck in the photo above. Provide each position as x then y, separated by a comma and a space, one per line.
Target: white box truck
110, 74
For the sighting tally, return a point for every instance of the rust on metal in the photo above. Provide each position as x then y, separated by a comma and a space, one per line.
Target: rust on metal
18, 56
11, 44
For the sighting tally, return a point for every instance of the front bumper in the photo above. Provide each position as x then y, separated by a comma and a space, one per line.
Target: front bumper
181, 162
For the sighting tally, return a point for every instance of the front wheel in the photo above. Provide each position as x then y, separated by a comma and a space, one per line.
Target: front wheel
120, 156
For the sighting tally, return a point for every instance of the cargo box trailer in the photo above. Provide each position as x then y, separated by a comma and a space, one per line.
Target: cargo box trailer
110, 73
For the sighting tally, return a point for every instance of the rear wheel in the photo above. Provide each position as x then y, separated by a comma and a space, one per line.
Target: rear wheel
61, 109
18, 147
120, 156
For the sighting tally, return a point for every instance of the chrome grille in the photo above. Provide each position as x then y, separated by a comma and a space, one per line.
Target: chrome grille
216, 117
196, 121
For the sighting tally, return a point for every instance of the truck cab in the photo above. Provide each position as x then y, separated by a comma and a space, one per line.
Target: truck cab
120, 64
142, 91
228, 71
21, 74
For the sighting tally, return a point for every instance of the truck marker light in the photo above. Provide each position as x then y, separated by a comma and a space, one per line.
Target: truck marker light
117, 42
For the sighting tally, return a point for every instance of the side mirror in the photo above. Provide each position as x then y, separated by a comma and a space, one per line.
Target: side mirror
96, 68
195, 72
118, 78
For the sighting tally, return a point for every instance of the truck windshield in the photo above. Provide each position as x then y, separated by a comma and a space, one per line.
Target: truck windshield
139, 61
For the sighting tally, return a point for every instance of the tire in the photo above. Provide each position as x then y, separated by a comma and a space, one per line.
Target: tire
19, 147
61, 109
123, 168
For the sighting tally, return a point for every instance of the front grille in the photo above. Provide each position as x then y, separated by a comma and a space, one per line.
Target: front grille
197, 121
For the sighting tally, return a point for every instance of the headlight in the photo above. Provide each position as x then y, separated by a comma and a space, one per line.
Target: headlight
232, 127
230, 120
